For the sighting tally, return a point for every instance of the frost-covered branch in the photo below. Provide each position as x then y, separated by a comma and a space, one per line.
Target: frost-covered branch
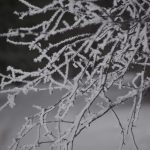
100, 45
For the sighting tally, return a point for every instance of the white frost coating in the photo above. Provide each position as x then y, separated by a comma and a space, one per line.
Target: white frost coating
29, 4
89, 50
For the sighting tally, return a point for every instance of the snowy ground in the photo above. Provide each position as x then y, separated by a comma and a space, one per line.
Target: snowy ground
104, 134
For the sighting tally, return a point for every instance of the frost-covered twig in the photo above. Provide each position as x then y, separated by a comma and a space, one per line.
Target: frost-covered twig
100, 45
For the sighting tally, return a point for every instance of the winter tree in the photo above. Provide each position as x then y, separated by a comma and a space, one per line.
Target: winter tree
101, 43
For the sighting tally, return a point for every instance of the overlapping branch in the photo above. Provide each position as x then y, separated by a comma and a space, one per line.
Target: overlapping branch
100, 45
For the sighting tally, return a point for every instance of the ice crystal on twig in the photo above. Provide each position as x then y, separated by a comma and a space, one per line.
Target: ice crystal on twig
100, 44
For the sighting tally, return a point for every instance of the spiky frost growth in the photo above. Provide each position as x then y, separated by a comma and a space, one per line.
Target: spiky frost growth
100, 44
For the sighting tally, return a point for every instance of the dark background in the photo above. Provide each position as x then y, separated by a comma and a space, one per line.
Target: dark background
19, 56
10, 55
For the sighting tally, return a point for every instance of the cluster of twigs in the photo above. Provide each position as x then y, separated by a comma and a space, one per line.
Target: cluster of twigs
101, 45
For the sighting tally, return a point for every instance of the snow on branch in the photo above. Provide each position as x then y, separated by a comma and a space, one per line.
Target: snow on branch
100, 45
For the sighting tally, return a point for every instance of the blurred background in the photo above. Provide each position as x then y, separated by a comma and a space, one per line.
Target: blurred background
19, 56
104, 134
10, 55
